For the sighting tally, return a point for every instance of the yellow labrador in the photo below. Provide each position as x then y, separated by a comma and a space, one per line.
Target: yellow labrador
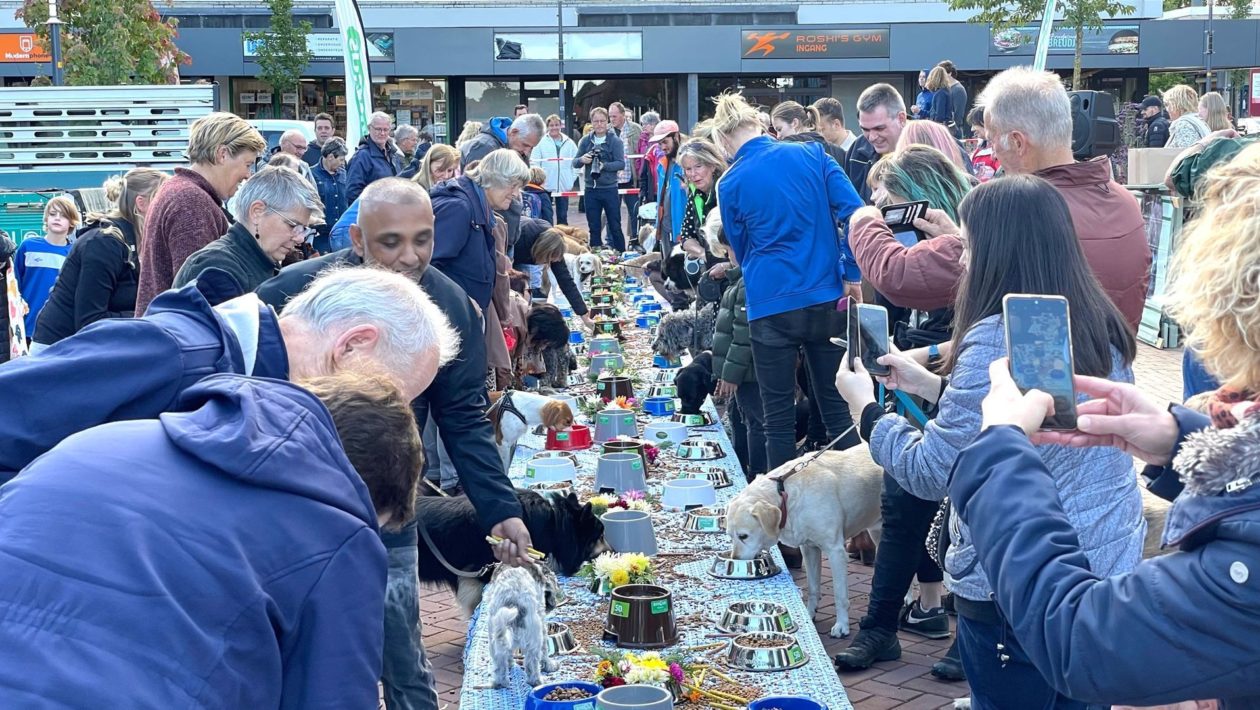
830, 500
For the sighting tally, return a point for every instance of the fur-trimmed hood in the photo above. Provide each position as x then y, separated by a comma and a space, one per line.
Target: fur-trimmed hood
1221, 472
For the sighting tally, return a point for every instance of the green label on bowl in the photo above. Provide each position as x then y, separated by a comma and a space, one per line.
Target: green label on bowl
603, 420
584, 706
660, 606
602, 385
785, 620
529, 470
707, 523
662, 435
562, 436
636, 464
796, 654
621, 609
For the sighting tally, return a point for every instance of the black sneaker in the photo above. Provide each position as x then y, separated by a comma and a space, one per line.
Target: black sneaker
869, 646
950, 667
933, 623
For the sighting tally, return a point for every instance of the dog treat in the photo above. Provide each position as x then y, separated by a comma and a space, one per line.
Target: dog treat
568, 693
763, 642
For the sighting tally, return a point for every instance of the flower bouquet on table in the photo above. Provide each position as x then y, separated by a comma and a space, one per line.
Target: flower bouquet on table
594, 404
611, 570
630, 500
649, 668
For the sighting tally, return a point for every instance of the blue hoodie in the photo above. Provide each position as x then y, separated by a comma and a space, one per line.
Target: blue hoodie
780, 205
492, 137
224, 555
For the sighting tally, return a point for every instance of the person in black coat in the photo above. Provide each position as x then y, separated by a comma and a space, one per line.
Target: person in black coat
795, 123
7, 249
101, 273
395, 231
541, 246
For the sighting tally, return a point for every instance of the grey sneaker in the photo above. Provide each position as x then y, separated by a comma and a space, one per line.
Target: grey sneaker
933, 623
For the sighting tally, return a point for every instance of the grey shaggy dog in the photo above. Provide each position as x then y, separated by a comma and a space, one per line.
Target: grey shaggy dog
517, 601
689, 330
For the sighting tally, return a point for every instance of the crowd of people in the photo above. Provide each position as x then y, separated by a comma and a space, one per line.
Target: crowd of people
236, 378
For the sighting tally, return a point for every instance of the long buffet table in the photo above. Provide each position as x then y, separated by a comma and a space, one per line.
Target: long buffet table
681, 565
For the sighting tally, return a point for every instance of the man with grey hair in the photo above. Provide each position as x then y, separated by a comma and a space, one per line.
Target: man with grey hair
274, 213
619, 119
395, 231
293, 142
377, 157
406, 137
881, 116
137, 368
1028, 117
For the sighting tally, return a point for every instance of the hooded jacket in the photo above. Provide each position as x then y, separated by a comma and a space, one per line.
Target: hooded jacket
370, 163
135, 368
1182, 626
224, 555
457, 397
1111, 229
463, 241
732, 343
493, 136
237, 253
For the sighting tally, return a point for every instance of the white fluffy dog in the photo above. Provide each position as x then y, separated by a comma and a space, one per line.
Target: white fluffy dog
829, 501
517, 601
583, 267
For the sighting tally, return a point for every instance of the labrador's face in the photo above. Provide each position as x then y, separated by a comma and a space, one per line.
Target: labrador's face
753, 527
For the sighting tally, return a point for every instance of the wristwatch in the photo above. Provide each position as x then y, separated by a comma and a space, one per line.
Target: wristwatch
934, 354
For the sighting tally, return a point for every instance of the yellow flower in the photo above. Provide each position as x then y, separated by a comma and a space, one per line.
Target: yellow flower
619, 577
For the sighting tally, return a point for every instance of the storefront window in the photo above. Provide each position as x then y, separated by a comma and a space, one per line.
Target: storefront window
486, 99
638, 95
578, 46
763, 91
415, 102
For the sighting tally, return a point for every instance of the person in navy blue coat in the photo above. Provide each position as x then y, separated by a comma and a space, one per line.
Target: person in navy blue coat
224, 555
1181, 626
376, 157
942, 108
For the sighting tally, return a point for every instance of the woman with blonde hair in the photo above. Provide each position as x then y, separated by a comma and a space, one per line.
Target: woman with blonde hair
942, 110
471, 129
780, 203
1182, 103
1070, 620
703, 165
933, 134
101, 273
439, 164
1213, 111
799, 124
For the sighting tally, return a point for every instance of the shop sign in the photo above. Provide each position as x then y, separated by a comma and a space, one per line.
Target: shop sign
327, 46
22, 47
1022, 41
816, 43
1254, 109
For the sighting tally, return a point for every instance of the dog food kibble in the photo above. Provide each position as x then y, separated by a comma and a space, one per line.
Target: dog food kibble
763, 642
568, 694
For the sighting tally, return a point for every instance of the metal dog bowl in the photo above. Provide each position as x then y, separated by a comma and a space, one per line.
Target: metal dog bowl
743, 617
697, 419
555, 454
663, 391
559, 639
760, 567
717, 476
663, 375
766, 651
699, 450
706, 520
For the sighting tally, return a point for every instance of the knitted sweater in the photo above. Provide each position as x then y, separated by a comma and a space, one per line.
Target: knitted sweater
186, 215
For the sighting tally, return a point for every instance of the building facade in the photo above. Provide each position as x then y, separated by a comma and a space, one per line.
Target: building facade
438, 63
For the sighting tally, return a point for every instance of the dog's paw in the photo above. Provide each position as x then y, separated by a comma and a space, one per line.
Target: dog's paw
549, 665
840, 630
811, 606
534, 682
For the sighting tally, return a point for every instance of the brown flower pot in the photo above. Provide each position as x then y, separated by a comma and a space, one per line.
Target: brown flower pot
641, 616
610, 388
633, 446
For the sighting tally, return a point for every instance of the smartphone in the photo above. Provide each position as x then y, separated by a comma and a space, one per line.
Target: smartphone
872, 337
900, 219
1039, 343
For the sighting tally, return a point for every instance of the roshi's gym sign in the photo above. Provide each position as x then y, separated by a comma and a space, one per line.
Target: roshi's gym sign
852, 43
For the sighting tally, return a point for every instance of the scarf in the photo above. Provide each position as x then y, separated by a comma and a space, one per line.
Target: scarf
1225, 410
17, 313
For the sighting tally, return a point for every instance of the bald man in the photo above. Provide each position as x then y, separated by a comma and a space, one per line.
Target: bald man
395, 231
294, 143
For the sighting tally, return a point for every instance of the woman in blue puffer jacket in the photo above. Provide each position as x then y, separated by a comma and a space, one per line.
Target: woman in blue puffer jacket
1096, 486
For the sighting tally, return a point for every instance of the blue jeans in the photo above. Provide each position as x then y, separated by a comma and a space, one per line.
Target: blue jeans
437, 462
405, 672
1195, 379
562, 210
601, 203
996, 685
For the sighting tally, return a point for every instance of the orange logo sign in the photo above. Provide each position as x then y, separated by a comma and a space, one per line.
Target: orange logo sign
764, 42
21, 47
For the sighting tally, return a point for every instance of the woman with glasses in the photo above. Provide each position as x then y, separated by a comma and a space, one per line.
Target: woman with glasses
274, 212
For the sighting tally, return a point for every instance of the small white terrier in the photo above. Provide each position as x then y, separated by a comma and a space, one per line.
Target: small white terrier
517, 601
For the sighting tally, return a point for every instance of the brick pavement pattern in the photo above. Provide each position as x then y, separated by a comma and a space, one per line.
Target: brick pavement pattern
906, 684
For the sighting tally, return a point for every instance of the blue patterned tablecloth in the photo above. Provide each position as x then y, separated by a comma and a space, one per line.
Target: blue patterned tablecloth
697, 605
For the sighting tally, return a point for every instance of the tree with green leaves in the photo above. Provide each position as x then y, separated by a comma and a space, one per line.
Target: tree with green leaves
110, 42
282, 52
1077, 14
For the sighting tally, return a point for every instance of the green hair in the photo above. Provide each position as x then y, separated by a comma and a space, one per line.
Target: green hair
923, 173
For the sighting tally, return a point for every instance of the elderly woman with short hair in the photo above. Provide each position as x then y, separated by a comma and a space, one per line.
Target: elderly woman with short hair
274, 212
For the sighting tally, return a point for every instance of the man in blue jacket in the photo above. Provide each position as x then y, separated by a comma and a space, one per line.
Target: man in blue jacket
376, 157
137, 368
1182, 626
223, 555
395, 232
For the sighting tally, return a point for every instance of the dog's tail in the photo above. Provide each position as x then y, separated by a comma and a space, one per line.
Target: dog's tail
502, 623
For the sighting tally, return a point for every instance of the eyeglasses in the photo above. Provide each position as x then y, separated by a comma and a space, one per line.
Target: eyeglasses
294, 225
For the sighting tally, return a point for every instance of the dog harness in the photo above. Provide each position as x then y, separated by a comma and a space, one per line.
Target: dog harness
780, 479
504, 405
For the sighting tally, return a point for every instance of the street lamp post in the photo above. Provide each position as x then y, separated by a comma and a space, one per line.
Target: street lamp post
54, 31
564, 117
1208, 47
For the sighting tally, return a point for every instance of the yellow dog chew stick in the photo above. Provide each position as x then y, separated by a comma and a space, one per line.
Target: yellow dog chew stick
493, 540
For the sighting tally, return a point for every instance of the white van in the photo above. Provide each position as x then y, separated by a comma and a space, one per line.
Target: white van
272, 128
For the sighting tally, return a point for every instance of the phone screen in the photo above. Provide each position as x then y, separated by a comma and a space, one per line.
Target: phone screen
873, 337
1039, 342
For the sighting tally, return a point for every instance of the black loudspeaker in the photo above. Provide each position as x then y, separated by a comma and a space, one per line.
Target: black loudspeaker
1095, 131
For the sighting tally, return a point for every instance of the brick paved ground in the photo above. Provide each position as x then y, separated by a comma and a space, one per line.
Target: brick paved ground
905, 684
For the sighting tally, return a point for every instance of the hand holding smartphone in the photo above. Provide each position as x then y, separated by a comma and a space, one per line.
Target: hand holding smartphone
1039, 344
900, 219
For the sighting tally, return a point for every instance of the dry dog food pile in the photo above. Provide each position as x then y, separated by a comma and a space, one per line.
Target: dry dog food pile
568, 694
762, 642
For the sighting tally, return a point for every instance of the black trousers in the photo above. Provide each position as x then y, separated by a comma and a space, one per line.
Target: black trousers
776, 342
901, 555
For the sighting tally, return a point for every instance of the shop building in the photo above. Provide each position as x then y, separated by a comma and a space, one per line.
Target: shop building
440, 63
